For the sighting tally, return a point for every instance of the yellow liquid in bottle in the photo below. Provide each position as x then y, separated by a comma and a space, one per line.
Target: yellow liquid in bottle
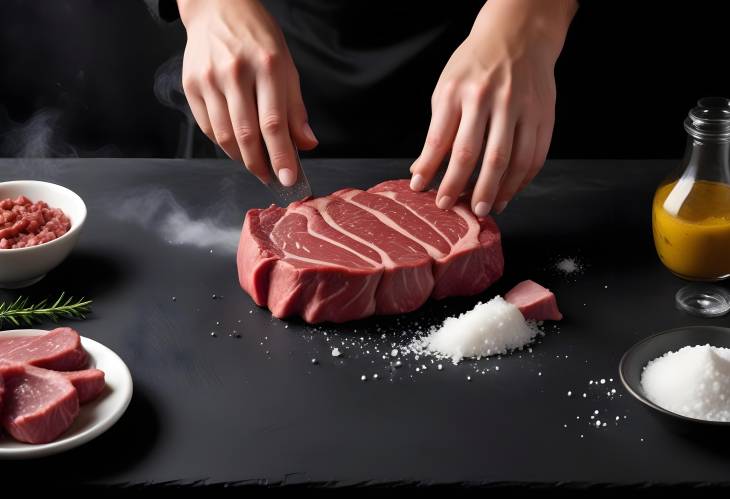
695, 244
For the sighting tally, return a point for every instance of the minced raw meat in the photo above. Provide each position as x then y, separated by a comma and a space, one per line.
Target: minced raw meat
24, 223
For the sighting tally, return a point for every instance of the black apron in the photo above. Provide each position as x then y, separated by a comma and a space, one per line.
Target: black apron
368, 67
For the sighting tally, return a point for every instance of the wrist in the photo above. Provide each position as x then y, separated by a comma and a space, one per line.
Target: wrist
545, 22
188, 9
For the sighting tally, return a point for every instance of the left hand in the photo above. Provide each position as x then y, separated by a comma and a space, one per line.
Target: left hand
498, 87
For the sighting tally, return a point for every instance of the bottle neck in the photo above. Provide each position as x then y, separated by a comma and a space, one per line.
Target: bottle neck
708, 160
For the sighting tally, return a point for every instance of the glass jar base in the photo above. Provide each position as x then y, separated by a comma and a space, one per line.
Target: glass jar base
701, 279
703, 300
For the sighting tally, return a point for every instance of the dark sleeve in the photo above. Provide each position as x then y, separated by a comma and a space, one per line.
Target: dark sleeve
165, 9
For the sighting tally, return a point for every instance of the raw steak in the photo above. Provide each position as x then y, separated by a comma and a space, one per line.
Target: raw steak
89, 383
39, 405
7, 370
534, 301
59, 349
356, 253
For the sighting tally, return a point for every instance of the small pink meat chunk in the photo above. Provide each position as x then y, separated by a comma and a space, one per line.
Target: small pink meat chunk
89, 383
24, 223
534, 301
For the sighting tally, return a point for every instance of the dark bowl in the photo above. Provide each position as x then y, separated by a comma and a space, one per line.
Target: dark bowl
638, 356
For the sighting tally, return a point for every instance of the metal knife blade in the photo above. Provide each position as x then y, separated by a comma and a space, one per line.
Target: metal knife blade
283, 196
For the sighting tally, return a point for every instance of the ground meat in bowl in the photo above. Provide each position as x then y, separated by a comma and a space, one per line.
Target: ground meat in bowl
24, 223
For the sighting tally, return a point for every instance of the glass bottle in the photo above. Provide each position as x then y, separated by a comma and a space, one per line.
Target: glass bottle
691, 210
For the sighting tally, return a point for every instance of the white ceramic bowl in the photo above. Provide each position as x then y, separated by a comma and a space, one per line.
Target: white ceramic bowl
21, 267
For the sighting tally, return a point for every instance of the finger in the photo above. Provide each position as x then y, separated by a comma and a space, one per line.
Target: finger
468, 145
200, 113
521, 162
245, 124
271, 94
301, 132
542, 146
220, 123
440, 136
496, 160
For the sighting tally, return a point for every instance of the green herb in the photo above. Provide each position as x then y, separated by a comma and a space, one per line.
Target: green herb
20, 311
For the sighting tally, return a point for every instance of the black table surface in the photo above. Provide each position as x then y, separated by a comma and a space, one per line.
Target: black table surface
255, 408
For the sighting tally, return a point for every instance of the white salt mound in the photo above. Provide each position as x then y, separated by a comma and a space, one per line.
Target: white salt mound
491, 328
693, 381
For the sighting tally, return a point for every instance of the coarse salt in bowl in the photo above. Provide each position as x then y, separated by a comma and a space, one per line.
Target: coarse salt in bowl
21, 267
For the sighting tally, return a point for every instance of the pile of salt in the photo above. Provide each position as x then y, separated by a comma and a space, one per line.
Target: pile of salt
693, 381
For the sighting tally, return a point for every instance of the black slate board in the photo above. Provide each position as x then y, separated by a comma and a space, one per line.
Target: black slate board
222, 409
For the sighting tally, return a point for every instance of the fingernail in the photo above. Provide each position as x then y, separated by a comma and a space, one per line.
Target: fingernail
499, 207
417, 182
481, 209
287, 177
444, 202
310, 133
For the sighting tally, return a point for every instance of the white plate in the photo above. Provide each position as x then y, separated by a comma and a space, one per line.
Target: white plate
95, 417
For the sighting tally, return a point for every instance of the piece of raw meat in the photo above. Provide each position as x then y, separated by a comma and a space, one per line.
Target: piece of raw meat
89, 383
534, 301
59, 349
39, 405
356, 253
7, 370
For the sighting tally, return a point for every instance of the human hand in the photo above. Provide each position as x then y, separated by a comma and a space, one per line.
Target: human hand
242, 85
498, 87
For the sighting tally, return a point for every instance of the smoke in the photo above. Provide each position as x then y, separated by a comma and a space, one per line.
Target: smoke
169, 91
157, 209
36, 138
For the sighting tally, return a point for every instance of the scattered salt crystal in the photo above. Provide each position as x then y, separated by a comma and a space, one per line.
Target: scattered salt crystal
439, 367
570, 393
568, 265
394, 352
693, 381
468, 378
603, 381
363, 378
375, 376
336, 352
598, 423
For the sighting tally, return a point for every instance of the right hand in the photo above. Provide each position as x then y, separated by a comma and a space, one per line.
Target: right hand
242, 85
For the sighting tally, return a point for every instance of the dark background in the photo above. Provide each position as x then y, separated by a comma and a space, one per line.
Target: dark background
78, 79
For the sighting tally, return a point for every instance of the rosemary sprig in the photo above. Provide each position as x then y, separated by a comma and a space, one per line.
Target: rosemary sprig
20, 312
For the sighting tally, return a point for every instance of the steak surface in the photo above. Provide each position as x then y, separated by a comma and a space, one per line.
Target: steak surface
356, 253
39, 405
59, 349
